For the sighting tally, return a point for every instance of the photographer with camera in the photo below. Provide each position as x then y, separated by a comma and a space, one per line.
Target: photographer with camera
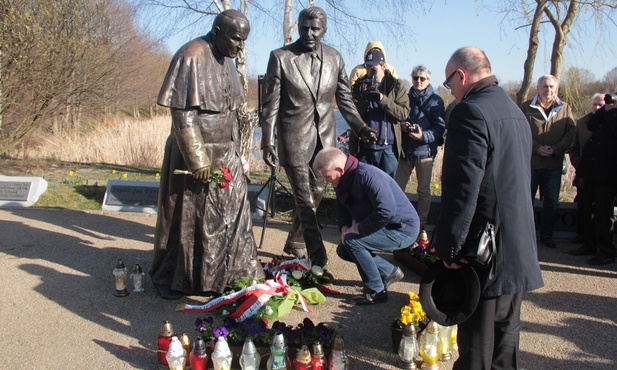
422, 134
598, 169
382, 102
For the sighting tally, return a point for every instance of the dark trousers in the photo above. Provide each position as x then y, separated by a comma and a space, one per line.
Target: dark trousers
489, 339
599, 202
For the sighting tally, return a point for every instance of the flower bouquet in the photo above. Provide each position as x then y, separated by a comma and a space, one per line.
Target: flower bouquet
221, 178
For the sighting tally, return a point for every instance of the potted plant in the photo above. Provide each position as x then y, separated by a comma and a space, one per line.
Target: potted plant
417, 256
410, 313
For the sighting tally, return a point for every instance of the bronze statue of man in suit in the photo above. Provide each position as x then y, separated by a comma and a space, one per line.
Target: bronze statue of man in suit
302, 81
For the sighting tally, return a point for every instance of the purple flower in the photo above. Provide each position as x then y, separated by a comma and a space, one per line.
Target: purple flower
220, 331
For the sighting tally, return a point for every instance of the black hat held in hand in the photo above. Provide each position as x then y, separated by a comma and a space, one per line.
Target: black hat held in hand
449, 296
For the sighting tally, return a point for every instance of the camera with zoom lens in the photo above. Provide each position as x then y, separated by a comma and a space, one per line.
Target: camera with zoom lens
610, 98
372, 92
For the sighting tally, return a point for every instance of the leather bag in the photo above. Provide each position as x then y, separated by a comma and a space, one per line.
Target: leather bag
480, 247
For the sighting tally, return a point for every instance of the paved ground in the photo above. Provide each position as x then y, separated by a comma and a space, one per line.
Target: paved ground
58, 309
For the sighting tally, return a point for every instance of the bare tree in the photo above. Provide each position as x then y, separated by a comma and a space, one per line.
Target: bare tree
59, 57
561, 15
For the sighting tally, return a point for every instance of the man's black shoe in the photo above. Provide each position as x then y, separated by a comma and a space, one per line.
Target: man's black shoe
549, 242
371, 298
166, 293
397, 275
599, 260
581, 251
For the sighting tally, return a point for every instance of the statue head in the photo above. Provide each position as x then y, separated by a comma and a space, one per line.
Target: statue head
229, 31
312, 25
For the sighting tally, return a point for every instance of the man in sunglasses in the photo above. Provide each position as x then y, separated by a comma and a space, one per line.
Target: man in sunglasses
422, 132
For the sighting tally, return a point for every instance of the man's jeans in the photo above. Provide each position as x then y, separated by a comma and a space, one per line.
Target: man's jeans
549, 182
361, 250
382, 159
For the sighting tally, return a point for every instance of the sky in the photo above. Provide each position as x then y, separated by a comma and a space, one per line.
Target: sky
431, 36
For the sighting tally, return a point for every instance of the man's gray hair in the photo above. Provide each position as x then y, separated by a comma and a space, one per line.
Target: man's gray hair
547, 77
325, 159
421, 68
471, 61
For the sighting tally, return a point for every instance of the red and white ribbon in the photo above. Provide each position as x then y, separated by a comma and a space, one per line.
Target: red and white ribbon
255, 296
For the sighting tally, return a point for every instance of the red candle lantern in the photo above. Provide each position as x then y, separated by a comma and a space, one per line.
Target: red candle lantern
163, 341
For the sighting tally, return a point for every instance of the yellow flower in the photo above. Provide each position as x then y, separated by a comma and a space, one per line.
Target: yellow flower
71, 173
157, 174
113, 172
125, 176
436, 186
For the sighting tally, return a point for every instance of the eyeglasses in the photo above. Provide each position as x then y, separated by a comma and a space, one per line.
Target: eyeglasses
447, 83
421, 78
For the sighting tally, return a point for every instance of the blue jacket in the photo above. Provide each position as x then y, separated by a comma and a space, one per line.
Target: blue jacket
367, 195
427, 110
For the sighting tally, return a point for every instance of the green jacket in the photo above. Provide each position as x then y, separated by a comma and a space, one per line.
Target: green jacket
396, 105
555, 129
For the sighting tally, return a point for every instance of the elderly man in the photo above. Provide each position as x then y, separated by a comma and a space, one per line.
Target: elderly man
374, 215
422, 132
486, 178
303, 79
575, 152
552, 129
204, 238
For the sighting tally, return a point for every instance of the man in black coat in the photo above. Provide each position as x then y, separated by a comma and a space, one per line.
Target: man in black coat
302, 81
486, 176
598, 169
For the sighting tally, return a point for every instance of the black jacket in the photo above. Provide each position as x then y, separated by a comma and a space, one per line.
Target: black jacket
486, 176
599, 159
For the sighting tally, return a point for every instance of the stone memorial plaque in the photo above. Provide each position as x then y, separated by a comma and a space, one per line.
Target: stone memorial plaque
16, 191
131, 196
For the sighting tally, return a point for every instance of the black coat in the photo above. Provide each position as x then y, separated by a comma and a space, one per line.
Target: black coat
486, 175
598, 162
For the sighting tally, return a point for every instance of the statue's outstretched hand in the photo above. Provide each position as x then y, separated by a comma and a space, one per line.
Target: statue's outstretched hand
202, 173
367, 135
269, 155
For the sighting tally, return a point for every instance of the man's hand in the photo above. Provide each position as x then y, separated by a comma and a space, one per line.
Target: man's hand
269, 156
367, 135
202, 173
545, 151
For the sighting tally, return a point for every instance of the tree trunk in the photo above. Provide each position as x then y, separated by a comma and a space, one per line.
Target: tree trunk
521, 95
561, 31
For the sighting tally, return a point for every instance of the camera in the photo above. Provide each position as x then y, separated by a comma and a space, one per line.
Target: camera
610, 98
412, 127
372, 91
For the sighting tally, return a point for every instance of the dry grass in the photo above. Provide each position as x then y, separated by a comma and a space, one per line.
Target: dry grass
130, 142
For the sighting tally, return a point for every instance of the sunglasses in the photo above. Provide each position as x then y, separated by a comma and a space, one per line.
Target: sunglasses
447, 83
416, 78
